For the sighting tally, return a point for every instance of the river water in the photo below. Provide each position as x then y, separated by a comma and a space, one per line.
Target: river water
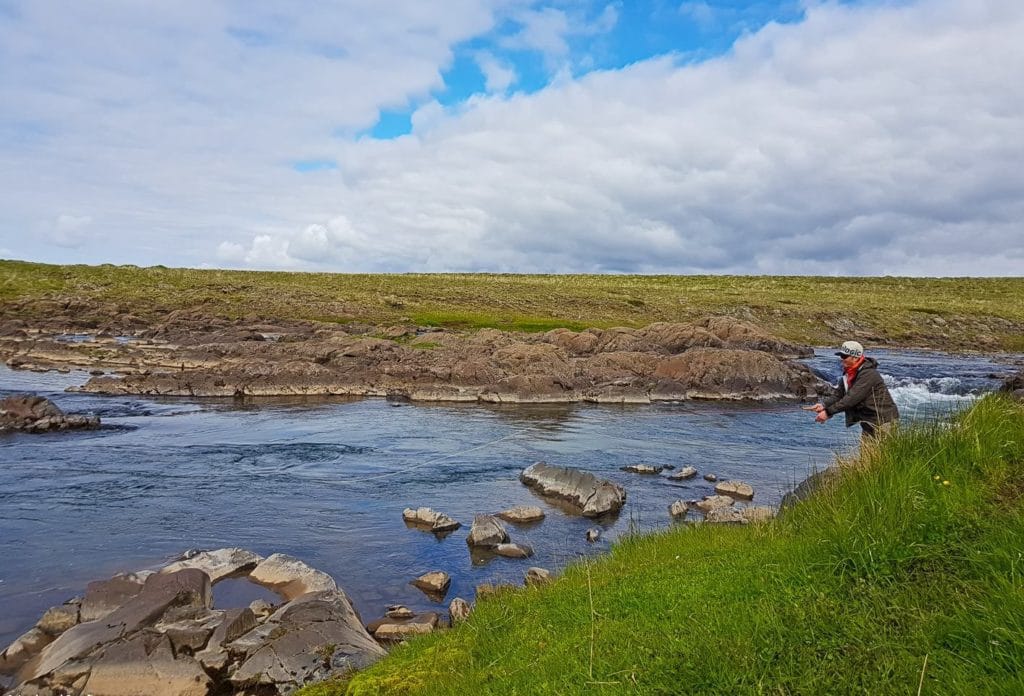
327, 480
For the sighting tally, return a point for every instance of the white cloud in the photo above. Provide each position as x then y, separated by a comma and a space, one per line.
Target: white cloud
883, 138
498, 75
70, 231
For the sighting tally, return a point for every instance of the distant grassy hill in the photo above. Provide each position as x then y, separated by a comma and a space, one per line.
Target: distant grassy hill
906, 576
952, 313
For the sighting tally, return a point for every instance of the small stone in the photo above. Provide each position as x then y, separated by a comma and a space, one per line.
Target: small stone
513, 550
678, 509
646, 469
537, 576
398, 611
710, 477
683, 474
435, 582
458, 610
261, 608
400, 632
593, 534
714, 501
736, 489
522, 514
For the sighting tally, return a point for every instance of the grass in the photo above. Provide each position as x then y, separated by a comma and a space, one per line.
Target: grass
982, 313
893, 581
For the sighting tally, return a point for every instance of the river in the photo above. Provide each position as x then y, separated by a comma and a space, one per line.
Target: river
326, 480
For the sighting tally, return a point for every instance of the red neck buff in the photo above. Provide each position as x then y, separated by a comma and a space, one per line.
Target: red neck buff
851, 371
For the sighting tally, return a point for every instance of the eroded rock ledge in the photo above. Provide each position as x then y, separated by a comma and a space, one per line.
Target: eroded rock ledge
718, 358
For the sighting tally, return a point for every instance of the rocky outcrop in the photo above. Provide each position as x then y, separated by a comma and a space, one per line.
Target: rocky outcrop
290, 577
37, 414
623, 365
592, 496
158, 633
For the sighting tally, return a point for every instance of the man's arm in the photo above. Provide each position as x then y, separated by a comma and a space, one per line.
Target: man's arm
858, 392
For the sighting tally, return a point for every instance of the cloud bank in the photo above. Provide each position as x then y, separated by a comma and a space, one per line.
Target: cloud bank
873, 138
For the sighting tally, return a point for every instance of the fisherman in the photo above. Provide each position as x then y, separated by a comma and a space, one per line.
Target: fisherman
861, 394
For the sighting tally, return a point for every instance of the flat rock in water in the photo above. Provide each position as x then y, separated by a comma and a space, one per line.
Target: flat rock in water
643, 469
594, 497
710, 477
217, 564
522, 514
683, 474
736, 489
290, 577
430, 520
513, 550
436, 582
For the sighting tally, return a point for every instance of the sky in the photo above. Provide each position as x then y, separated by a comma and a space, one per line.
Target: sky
861, 137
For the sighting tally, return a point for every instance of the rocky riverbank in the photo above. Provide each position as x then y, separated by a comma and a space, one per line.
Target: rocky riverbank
193, 355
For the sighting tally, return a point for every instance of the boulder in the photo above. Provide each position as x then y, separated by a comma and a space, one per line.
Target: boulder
713, 502
393, 630
736, 489
513, 550
307, 639
430, 520
24, 648
261, 608
458, 610
433, 583
104, 596
726, 515
684, 474
487, 531
56, 620
146, 664
537, 576
290, 577
678, 509
217, 564
592, 496
36, 414
522, 514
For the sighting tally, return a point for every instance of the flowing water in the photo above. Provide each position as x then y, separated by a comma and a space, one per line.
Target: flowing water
326, 480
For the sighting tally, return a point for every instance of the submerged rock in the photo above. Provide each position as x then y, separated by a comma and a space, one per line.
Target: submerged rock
643, 469
594, 497
683, 474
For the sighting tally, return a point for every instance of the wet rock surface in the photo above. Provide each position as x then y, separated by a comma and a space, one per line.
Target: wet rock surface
193, 355
158, 633
592, 496
36, 414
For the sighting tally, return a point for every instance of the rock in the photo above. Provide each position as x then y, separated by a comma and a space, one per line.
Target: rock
390, 630
710, 477
758, 513
678, 509
713, 502
56, 620
458, 610
435, 582
726, 515
104, 596
683, 474
435, 522
146, 664
186, 588
307, 639
261, 608
217, 564
24, 648
643, 469
522, 514
537, 576
487, 589
592, 496
736, 489
513, 550
290, 577
37, 414
819, 480
719, 373
397, 611
593, 534
191, 633
487, 531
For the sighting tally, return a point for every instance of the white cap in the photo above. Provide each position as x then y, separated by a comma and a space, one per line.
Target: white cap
851, 349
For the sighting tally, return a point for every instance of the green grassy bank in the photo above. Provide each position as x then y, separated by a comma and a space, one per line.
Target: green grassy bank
981, 313
892, 581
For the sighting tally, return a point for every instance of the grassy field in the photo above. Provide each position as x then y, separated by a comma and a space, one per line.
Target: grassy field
907, 577
947, 312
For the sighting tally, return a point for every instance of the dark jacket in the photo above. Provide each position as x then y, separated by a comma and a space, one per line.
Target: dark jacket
867, 400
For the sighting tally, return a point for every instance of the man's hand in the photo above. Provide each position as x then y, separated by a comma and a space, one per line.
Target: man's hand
822, 416
818, 408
